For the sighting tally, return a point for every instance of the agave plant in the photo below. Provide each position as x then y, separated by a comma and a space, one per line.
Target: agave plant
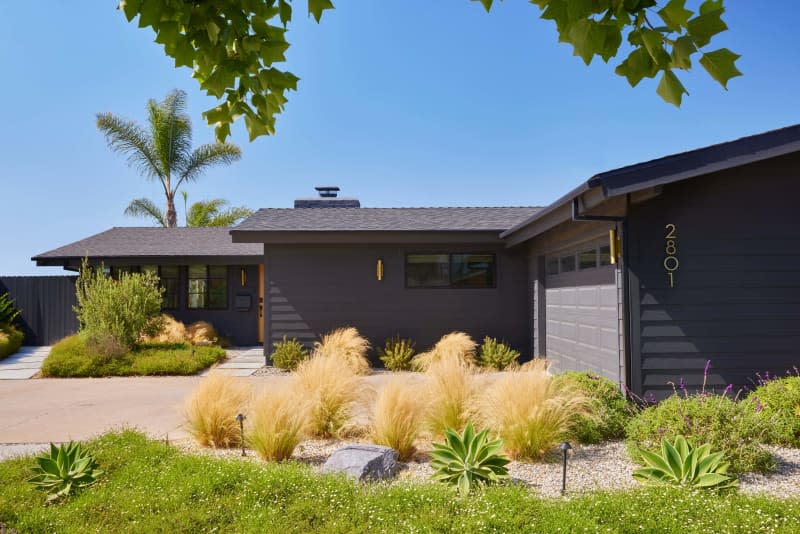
682, 464
468, 460
65, 468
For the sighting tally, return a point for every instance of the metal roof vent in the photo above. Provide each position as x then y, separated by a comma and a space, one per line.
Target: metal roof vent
328, 198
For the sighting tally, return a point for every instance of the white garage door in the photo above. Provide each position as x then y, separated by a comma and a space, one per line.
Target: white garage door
581, 300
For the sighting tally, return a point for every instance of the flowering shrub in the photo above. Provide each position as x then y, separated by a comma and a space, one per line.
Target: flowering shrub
611, 410
733, 427
780, 402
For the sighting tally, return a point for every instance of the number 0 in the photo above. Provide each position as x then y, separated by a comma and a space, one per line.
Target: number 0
671, 263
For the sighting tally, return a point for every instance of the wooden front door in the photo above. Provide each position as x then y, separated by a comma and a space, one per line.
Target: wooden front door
261, 303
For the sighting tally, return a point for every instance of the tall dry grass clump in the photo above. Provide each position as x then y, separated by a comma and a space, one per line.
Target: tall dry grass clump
172, 331
347, 346
212, 407
455, 345
331, 390
397, 415
530, 411
278, 422
450, 390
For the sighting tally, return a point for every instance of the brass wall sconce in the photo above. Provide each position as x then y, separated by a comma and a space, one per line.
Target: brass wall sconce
379, 270
243, 272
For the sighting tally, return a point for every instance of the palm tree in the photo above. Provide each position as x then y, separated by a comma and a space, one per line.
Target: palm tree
163, 150
203, 213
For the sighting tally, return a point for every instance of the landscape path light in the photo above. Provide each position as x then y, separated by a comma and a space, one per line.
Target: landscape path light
240, 418
565, 446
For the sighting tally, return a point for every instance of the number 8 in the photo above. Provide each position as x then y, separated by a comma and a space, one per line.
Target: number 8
671, 249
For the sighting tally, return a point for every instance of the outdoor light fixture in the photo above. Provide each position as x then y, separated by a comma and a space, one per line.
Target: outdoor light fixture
240, 418
613, 246
244, 276
379, 270
564, 448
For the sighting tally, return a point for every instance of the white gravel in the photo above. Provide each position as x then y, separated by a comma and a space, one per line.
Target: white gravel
603, 467
13, 450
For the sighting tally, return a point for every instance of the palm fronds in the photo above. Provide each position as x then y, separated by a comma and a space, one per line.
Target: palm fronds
212, 213
144, 207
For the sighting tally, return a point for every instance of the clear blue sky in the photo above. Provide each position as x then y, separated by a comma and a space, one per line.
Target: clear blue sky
401, 103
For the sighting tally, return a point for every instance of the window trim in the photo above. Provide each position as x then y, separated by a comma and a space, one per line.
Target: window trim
450, 255
207, 291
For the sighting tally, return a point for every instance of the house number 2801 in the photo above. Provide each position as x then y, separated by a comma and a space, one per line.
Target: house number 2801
671, 262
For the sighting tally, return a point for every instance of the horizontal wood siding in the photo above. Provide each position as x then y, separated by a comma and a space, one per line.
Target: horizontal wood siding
736, 294
316, 289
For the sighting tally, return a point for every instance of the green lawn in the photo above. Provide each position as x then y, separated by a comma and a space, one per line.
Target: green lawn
68, 359
151, 487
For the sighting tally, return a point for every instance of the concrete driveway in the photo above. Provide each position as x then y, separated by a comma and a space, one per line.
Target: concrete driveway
61, 409
24, 364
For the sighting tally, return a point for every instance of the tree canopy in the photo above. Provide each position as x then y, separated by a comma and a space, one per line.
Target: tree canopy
232, 46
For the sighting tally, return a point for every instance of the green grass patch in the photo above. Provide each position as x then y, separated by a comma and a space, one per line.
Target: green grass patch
69, 358
151, 487
10, 340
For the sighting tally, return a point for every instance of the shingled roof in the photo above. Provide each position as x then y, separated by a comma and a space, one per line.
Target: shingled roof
385, 219
126, 242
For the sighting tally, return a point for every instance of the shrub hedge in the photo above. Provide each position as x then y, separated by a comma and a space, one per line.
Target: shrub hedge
611, 409
734, 427
10, 340
780, 406
69, 358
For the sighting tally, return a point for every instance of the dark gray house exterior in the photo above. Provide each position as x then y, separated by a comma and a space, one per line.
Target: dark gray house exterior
642, 274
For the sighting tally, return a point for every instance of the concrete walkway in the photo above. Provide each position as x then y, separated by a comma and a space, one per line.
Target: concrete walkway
24, 364
242, 361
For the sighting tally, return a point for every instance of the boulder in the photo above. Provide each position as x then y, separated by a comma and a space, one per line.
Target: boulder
363, 462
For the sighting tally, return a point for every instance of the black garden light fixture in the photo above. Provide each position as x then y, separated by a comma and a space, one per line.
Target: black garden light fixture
565, 446
240, 417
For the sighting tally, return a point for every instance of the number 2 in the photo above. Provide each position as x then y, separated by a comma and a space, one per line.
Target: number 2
671, 233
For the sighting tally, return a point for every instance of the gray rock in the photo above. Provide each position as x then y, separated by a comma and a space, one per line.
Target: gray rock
363, 462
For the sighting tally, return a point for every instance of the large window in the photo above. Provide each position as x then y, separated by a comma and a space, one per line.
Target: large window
168, 276
461, 270
208, 287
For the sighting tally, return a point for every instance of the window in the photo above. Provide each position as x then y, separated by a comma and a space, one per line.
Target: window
605, 255
552, 266
168, 277
567, 263
587, 259
461, 270
208, 287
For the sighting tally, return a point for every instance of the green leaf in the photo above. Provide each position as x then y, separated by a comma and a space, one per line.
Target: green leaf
682, 52
285, 12
706, 26
130, 8
675, 15
637, 65
316, 7
710, 479
671, 89
721, 65
487, 4
654, 43
184, 53
213, 31
149, 13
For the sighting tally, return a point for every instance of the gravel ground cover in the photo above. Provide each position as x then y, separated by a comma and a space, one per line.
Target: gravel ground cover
590, 468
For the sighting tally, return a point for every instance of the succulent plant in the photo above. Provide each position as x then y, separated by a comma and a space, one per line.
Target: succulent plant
65, 468
468, 460
682, 464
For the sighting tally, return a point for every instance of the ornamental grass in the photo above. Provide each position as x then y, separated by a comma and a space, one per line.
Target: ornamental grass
450, 391
397, 416
278, 422
347, 346
212, 407
455, 345
530, 411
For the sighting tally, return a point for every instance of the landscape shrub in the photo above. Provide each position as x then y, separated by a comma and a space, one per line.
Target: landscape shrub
780, 408
397, 353
10, 340
125, 308
347, 346
70, 358
732, 427
288, 354
172, 331
331, 390
201, 333
212, 407
530, 411
396, 418
496, 355
278, 421
150, 487
611, 410
450, 391
455, 345
8, 312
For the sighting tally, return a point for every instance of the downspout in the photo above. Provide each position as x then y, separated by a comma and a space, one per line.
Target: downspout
623, 220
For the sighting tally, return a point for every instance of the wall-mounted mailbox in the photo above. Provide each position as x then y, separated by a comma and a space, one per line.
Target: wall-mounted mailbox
243, 302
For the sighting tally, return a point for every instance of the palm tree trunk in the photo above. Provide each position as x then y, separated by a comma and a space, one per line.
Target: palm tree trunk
172, 215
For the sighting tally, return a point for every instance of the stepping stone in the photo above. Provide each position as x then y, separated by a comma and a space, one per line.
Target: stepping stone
363, 462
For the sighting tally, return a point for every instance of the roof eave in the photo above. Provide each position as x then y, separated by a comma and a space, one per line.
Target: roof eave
356, 237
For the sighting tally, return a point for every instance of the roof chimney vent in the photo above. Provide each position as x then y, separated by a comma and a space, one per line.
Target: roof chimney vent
328, 198
327, 191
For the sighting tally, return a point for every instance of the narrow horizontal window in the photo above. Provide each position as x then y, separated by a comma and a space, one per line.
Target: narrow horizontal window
567, 263
472, 270
551, 266
462, 270
587, 259
428, 270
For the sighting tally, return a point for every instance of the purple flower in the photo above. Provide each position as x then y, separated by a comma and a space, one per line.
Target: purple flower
708, 366
682, 384
727, 389
758, 404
